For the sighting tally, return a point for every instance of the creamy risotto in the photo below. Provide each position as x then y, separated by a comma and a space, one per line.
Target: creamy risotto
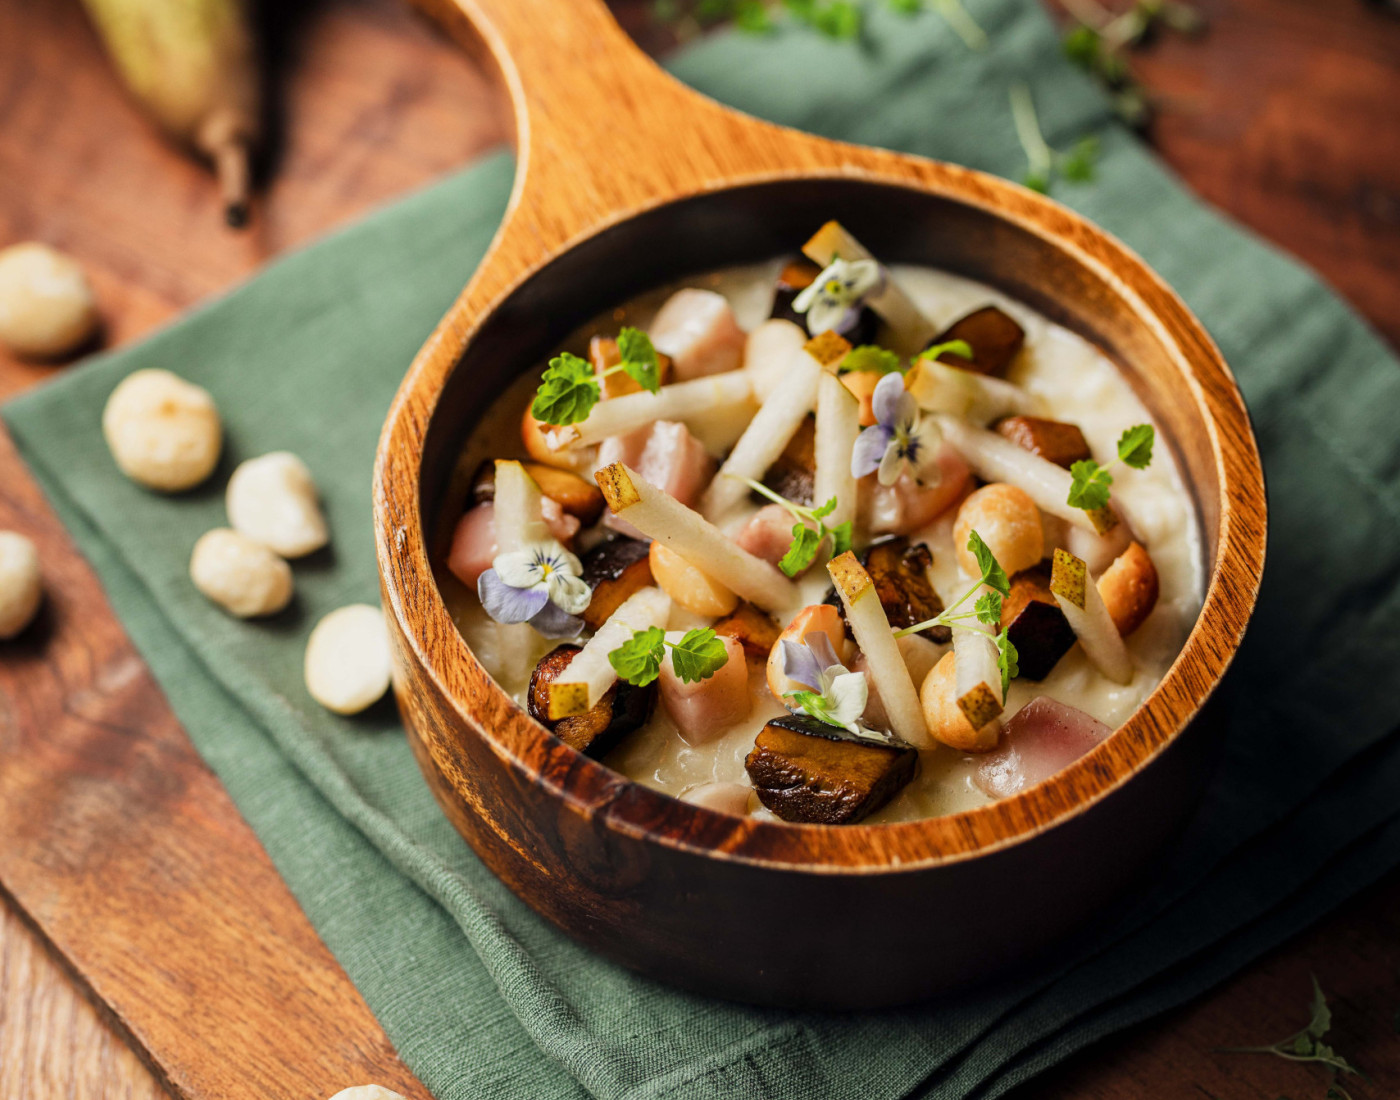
1011, 434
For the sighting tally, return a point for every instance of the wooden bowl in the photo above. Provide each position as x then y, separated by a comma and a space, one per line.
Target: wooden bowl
626, 180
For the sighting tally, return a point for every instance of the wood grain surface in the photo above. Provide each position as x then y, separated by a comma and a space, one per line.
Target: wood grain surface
1280, 116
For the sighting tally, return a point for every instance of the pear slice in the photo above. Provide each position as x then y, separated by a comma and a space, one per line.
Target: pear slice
1088, 617
590, 674
730, 393
978, 675
886, 668
995, 458
660, 516
838, 425
977, 398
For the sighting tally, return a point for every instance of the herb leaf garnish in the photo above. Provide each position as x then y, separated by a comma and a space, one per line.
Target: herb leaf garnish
1091, 482
570, 386
568, 391
808, 532
697, 656
1308, 1045
985, 610
961, 348
869, 357
1043, 163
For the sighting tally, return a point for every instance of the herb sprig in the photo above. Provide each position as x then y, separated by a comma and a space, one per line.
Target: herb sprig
837, 19
1044, 164
882, 361
961, 348
986, 609
1089, 489
697, 656
570, 386
1099, 39
1308, 1045
808, 532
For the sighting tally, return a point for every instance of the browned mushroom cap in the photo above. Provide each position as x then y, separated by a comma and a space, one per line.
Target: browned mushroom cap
614, 570
900, 573
994, 337
1035, 624
1053, 440
805, 770
622, 709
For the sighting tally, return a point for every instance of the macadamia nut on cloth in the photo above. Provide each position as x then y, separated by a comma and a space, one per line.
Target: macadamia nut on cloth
347, 659
21, 587
163, 432
243, 577
367, 1092
47, 308
273, 500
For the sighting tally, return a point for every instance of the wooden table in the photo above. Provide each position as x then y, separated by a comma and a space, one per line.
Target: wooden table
1287, 115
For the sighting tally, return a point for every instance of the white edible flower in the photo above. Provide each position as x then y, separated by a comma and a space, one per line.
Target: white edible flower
833, 300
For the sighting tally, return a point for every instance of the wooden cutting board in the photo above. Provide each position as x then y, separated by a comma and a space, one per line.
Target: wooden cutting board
121, 850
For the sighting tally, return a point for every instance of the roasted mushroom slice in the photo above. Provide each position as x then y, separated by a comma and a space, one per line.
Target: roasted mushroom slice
1035, 624
994, 337
755, 630
1053, 440
805, 770
574, 496
622, 709
796, 277
614, 570
796, 469
900, 573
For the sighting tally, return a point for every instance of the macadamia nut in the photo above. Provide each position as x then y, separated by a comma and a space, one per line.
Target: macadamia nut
273, 500
367, 1092
21, 587
347, 659
47, 308
243, 577
163, 432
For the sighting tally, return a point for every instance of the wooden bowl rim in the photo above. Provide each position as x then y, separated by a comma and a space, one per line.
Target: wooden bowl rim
605, 796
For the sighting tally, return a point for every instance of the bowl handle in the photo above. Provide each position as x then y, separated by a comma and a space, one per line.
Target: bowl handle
601, 131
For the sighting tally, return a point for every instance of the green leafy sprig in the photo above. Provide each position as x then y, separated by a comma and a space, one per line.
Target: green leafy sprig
1044, 164
697, 656
808, 532
570, 386
961, 348
986, 609
1308, 1045
837, 19
1089, 489
1100, 38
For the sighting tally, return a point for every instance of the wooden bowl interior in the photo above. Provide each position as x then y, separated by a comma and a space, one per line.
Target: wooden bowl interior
756, 222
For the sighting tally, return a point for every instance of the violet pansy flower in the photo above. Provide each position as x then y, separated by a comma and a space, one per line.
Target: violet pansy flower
837, 696
833, 300
899, 438
540, 585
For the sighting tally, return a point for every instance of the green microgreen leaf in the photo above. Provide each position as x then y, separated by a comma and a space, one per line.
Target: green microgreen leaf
905, 7
568, 391
639, 358
825, 510
993, 575
1135, 446
869, 357
751, 17
803, 550
1089, 489
1007, 661
1308, 1046
1080, 163
638, 660
698, 655
988, 608
840, 538
961, 348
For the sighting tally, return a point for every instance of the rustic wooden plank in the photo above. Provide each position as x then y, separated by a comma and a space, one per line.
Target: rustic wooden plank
1279, 116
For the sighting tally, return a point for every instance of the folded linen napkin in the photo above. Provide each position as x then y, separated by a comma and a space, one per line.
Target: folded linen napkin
482, 998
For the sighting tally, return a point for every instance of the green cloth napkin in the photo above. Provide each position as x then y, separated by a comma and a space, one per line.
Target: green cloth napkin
482, 998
